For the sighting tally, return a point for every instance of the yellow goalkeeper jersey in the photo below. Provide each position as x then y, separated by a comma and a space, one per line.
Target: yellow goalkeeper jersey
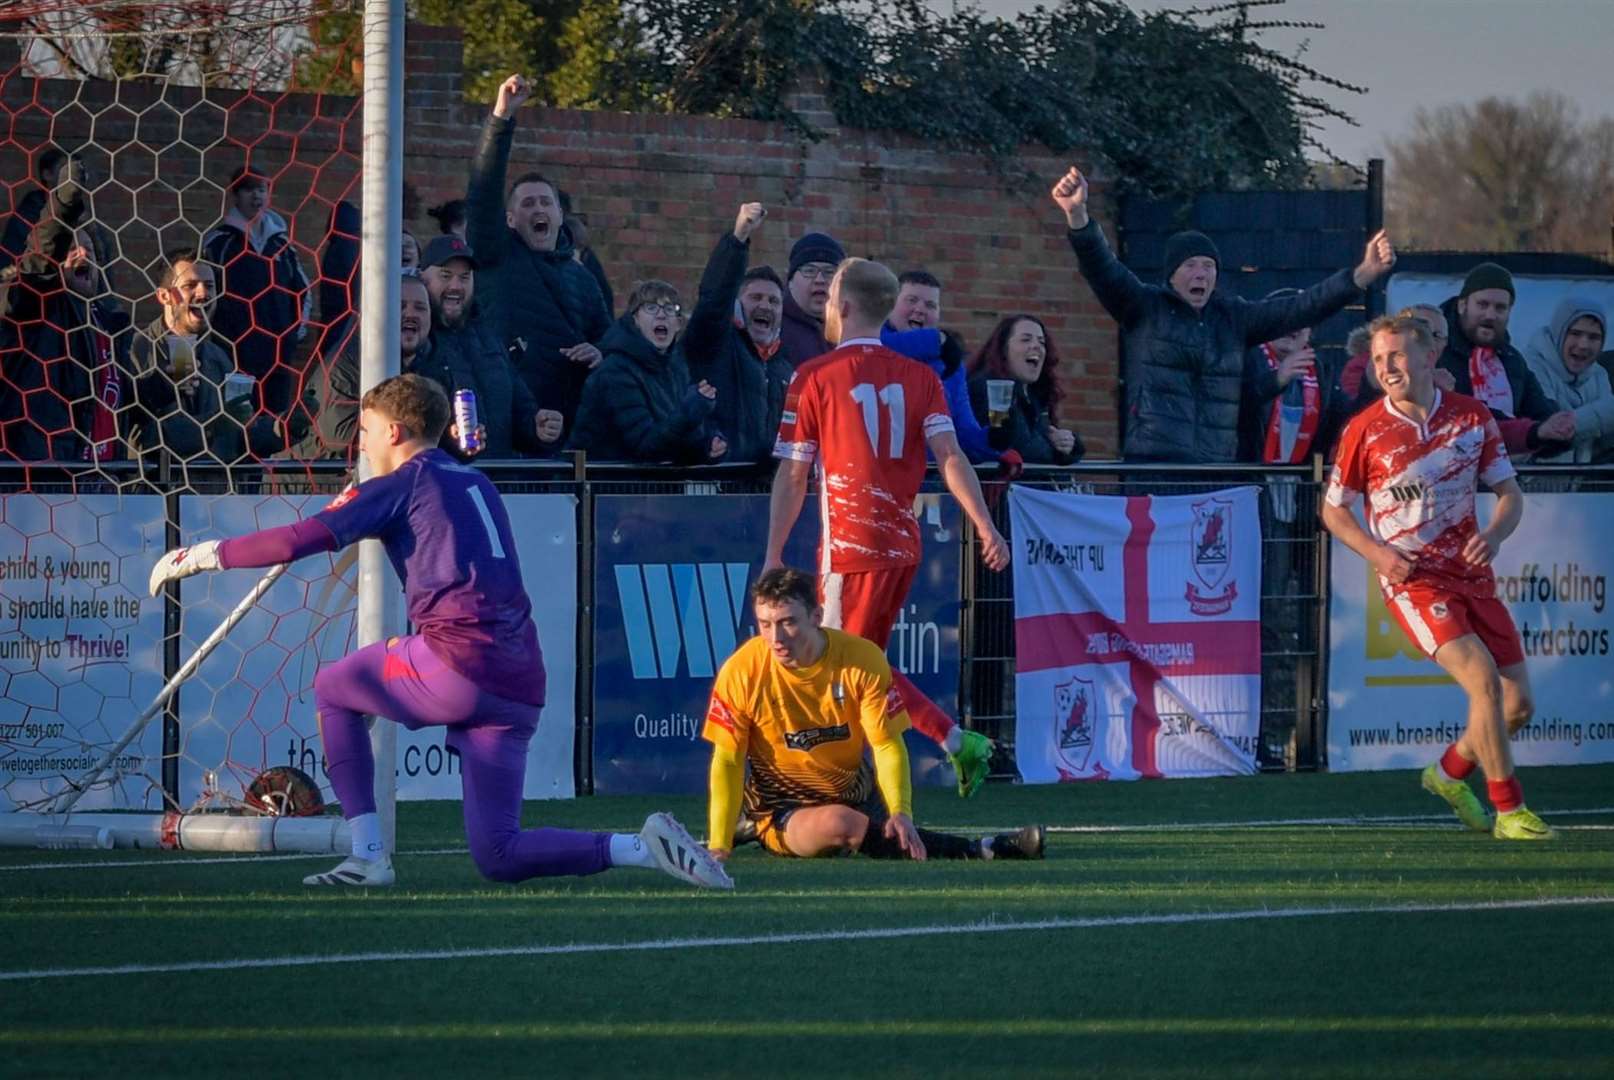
804, 730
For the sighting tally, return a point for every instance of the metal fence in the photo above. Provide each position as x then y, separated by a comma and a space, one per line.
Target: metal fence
1295, 569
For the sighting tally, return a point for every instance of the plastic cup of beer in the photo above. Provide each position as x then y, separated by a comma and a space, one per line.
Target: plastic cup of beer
238, 387
181, 357
999, 399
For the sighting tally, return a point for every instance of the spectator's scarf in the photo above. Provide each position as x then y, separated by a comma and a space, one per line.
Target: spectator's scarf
1490, 380
1292, 423
103, 445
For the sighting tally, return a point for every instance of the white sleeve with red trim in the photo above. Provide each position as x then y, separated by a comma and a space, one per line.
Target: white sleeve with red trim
1494, 464
1348, 480
938, 417
799, 423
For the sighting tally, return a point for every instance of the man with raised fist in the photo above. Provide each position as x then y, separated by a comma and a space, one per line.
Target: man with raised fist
543, 303
733, 341
1185, 342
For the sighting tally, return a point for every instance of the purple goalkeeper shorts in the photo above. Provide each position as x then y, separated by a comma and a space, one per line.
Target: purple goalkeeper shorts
403, 680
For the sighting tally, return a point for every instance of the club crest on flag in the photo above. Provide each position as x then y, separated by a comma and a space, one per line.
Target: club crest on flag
1075, 708
1210, 541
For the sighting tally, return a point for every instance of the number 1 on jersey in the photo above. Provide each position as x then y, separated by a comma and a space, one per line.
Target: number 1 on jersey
487, 519
870, 401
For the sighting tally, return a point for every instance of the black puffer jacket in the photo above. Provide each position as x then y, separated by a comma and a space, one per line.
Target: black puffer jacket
750, 390
639, 405
1026, 430
469, 357
538, 302
1185, 370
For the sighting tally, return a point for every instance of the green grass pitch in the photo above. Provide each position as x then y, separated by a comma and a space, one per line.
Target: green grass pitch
1261, 927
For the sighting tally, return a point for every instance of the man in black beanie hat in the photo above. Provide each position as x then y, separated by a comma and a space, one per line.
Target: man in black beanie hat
813, 260
1484, 364
1184, 343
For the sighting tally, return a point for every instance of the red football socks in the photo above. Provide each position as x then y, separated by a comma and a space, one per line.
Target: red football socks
1505, 794
1455, 765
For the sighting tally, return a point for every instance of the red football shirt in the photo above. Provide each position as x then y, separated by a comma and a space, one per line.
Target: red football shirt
864, 414
1420, 483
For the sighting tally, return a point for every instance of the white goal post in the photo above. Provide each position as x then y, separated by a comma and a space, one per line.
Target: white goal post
57, 40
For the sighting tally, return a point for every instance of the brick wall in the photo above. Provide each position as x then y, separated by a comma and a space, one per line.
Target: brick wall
658, 190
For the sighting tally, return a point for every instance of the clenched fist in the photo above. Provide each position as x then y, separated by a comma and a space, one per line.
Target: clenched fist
513, 93
750, 216
1376, 260
1070, 195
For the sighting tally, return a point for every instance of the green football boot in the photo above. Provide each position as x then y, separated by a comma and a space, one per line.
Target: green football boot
1521, 824
1464, 803
972, 762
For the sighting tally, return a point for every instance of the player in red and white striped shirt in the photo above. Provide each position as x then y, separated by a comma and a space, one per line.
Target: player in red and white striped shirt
1419, 454
866, 415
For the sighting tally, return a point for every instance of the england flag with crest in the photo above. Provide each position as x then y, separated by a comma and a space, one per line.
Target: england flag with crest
1137, 634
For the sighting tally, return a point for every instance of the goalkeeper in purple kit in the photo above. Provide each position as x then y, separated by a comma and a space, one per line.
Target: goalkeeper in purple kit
473, 667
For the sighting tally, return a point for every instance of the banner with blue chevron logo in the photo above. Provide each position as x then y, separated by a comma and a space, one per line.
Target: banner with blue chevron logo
671, 575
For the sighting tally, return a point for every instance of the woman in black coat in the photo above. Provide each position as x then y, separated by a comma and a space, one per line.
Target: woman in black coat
1019, 350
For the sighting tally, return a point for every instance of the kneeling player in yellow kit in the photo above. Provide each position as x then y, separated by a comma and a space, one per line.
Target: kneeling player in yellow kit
800, 702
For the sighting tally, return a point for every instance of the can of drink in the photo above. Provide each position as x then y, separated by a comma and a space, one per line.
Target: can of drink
465, 417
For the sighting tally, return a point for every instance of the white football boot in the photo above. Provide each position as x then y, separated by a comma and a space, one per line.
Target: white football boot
681, 855
354, 871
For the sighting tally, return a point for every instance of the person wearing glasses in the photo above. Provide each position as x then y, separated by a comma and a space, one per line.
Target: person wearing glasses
639, 405
813, 260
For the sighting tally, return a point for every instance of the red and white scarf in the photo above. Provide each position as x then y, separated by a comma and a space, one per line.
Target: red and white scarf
103, 444
1291, 425
1490, 380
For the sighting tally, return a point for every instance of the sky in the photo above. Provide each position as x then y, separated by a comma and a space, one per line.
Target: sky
1413, 53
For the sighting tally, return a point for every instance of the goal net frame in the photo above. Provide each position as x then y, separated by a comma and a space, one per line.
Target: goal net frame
54, 817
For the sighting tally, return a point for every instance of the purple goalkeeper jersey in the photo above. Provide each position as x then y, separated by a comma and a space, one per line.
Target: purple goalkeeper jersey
448, 536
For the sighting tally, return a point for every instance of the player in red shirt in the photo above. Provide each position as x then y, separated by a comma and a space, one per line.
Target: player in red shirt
866, 415
1419, 454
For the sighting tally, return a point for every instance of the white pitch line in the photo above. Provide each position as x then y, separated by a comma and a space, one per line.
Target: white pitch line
805, 938
1387, 819
971, 830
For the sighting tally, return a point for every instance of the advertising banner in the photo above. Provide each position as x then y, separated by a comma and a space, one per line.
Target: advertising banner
670, 606
1391, 708
252, 701
80, 644
1137, 634
81, 650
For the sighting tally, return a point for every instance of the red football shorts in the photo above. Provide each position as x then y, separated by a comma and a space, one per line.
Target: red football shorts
866, 603
1431, 617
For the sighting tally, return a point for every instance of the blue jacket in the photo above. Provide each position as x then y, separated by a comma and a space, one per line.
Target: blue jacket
927, 345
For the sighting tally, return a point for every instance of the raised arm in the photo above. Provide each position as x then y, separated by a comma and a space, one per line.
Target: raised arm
484, 195
1116, 287
720, 287
267, 547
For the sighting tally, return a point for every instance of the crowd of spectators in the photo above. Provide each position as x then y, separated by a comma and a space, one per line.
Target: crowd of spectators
508, 299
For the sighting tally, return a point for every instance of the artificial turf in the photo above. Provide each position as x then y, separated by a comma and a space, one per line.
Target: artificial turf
1267, 926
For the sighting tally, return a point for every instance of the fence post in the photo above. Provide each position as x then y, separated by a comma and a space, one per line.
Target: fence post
583, 747
172, 614
1375, 222
1311, 749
